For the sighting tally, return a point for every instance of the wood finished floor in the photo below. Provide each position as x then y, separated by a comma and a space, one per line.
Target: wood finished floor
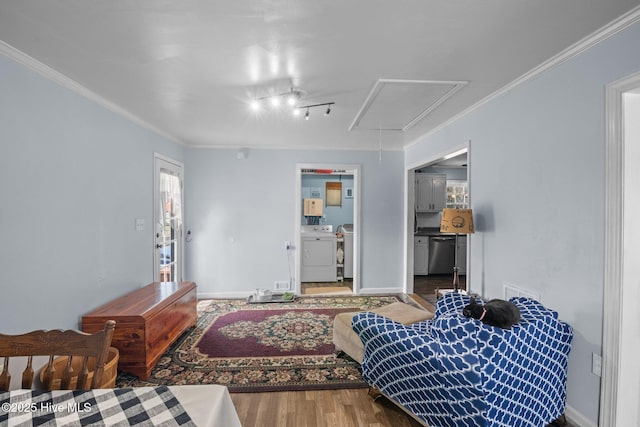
426, 286
321, 408
307, 288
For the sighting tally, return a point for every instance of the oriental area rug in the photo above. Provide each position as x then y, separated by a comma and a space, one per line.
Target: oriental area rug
262, 347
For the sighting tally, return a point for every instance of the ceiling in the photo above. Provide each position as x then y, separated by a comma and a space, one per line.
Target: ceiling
455, 162
188, 69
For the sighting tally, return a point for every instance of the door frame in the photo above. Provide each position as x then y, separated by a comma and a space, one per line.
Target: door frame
618, 247
158, 160
350, 169
410, 200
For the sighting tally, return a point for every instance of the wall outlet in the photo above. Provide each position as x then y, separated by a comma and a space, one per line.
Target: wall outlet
281, 285
287, 245
596, 364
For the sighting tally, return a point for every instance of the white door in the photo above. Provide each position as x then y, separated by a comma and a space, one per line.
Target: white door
168, 220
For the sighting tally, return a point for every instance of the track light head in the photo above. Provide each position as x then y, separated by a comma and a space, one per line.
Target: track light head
309, 107
292, 99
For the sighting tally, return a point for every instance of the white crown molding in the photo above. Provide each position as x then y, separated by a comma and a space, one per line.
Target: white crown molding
292, 148
572, 51
70, 84
57, 77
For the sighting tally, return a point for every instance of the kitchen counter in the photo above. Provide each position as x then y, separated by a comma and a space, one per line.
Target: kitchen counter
431, 232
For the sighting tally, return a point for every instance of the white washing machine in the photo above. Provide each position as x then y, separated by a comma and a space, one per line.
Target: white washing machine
318, 256
347, 232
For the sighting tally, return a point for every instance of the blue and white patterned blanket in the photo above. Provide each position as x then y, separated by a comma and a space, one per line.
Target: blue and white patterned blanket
143, 406
455, 371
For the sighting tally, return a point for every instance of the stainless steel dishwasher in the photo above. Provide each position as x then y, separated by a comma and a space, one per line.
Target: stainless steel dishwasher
442, 253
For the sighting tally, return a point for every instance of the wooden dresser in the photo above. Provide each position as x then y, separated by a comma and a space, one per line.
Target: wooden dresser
148, 321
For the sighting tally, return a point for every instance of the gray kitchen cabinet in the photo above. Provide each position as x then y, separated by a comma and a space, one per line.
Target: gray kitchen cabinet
420, 255
431, 192
462, 254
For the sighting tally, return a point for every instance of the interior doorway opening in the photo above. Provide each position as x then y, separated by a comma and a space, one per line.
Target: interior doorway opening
431, 255
327, 229
620, 386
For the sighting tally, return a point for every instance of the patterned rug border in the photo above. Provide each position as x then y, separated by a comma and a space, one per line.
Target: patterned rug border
183, 364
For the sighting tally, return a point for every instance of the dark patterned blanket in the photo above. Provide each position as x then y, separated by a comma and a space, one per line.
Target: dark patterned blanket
145, 406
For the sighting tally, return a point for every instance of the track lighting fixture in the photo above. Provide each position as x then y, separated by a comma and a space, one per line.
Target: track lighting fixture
326, 104
290, 97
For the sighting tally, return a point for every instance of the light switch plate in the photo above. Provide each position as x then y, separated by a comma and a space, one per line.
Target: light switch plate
596, 364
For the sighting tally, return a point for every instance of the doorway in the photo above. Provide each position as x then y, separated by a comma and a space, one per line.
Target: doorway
168, 220
327, 229
620, 386
431, 256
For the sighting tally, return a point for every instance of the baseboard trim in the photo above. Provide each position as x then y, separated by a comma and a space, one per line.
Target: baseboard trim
224, 295
234, 295
577, 418
380, 291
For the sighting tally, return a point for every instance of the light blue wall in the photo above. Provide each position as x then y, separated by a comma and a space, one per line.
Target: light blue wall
241, 212
537, 191
73, 179
452, 173
331, 215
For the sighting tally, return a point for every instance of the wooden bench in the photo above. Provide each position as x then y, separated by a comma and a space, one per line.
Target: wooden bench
148, 321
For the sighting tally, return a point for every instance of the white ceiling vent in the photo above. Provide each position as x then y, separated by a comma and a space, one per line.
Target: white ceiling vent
400, 104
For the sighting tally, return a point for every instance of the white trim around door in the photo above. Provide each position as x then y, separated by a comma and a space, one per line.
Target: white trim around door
168, 219
619, 386
345, 169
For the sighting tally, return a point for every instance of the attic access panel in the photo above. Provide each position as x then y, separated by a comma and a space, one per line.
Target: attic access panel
400, 104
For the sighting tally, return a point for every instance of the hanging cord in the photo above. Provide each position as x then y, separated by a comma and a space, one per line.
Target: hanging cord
380, 143
289, 265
